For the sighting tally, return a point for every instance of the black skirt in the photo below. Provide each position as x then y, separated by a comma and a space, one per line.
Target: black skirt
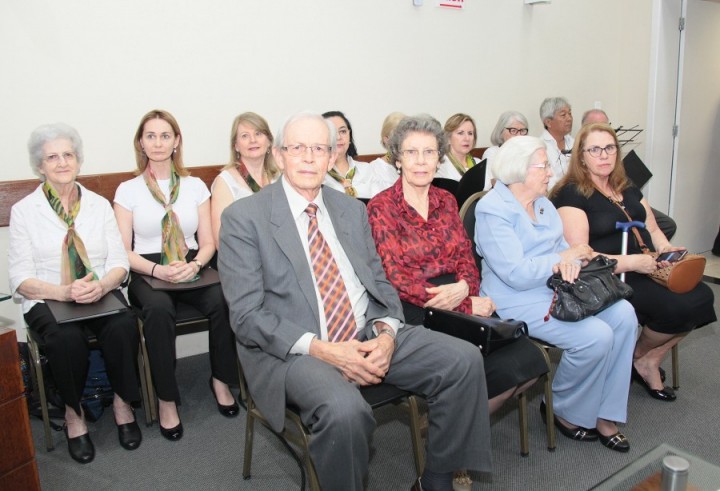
505, 368
670, 313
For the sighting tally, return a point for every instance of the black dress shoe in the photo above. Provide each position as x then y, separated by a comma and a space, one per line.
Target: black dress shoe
172, 434
579, 433
81, 448
617, 442
129, 435
228, 411
666, 394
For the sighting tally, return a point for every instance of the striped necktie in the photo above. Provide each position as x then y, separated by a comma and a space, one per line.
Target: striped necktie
336, 302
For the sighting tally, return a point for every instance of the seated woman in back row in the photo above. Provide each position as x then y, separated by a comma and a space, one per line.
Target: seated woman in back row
347, 175
591, 198
462, 137
509, 125
251, 167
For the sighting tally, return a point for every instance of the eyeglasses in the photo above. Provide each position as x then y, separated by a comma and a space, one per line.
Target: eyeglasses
543, 165
517, 131
597, 151
298, 149
54, 158
414, 153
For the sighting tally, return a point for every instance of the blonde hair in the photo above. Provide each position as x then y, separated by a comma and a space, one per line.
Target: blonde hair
260, 124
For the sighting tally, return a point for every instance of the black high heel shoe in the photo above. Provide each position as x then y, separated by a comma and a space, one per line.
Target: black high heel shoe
173, 434
666, 394
81, 448
228, 411
579, 433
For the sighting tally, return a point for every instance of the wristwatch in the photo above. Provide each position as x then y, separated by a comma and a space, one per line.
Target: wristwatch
200, 265
387, 330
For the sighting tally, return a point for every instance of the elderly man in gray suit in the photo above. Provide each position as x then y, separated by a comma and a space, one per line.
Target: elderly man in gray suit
315, 318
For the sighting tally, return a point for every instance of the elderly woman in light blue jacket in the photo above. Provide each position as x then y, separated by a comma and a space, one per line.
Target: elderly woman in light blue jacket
519, 234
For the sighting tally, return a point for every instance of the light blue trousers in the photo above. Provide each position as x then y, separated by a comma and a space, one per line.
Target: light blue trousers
593, 378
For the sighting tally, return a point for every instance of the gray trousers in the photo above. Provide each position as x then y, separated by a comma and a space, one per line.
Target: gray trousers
446, 371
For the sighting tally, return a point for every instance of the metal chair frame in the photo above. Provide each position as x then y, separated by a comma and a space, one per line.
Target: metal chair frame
296, 433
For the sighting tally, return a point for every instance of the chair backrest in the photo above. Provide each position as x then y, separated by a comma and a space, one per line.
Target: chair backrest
471, 182
449, 185
467, 215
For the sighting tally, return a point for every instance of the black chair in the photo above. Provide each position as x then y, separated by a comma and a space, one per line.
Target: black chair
467, 215
449, 185
471, 182
296, 432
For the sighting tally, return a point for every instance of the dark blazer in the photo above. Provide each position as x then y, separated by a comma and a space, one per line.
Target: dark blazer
270, 290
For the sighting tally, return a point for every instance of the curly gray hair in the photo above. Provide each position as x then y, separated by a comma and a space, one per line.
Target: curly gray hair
47, 133
422, 123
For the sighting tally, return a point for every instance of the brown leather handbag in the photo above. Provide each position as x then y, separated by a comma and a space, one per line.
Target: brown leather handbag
681, 276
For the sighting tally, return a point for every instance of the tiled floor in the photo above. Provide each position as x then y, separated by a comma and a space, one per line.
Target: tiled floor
712, 268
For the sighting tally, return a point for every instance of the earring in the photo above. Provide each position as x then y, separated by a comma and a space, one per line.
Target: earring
174, 150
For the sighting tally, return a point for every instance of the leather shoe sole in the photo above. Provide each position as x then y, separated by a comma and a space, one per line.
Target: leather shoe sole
129, 435
579, 433
617, 442
172, 434
81, 448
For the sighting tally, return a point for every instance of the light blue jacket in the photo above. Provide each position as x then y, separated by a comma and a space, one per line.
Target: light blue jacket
518, 254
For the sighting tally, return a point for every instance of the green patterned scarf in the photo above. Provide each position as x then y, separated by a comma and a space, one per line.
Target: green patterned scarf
469, 161
245, 174
75, 263
345, 181
173, 239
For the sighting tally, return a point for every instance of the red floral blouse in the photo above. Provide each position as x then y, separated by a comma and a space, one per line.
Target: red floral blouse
414, 250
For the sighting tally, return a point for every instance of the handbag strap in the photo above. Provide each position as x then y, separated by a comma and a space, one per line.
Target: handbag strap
638, 238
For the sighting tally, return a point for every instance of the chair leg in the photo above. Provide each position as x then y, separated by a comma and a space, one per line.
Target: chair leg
249, 434
415, 436
146, 401
523, 416
39, 381
549, 413
151, 399
675, 353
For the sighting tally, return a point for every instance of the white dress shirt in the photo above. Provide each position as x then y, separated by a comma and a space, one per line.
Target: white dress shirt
558, 161
355, 289
37, 234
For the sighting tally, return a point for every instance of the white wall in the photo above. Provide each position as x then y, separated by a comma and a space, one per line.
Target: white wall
100, 66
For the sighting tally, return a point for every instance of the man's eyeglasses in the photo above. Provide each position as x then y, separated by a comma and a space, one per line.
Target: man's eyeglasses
517, 131
597, 151
300, 148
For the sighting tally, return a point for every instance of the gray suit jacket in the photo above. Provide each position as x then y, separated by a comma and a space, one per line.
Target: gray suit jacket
270, 290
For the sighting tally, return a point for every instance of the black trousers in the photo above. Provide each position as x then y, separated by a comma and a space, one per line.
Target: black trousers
158, 311
66, 348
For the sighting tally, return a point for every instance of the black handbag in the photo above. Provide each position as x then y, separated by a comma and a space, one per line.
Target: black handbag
487, 333
594, 290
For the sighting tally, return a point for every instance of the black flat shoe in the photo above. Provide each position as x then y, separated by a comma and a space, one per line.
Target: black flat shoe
172, 434
580, 434
617, 442
666, 394
129, 435
81, 448
228, 411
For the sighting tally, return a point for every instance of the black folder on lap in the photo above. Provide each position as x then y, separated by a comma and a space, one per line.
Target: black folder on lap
208, 276
72, 312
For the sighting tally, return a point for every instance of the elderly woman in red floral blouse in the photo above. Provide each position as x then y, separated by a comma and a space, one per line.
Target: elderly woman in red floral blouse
428, 257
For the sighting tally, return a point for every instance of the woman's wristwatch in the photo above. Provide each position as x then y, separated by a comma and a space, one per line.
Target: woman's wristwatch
200, 265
